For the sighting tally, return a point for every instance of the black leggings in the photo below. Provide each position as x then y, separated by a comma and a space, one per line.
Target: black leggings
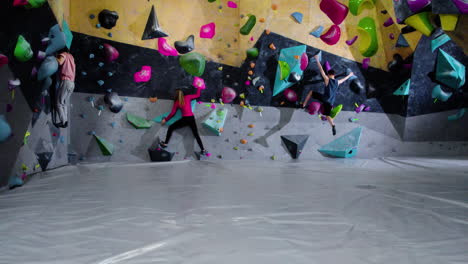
183, 122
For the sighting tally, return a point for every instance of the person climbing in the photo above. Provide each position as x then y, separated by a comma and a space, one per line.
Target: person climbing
67, 85
182, 102
328, 97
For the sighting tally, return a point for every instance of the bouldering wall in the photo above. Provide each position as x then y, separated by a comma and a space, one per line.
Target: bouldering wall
61, 9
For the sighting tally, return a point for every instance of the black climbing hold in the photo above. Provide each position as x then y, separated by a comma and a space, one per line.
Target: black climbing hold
108, 19
160, 155
407, 29
356, 86
152, 29
295, 144
44, 159
114, 102
294, 77
384, 12
396, 64
185, 46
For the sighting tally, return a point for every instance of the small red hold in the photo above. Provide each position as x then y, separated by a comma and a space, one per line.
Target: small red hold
36, 110
54, 134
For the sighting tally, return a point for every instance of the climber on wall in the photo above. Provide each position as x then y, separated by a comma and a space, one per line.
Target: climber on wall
331, 88
67, 85
182, 102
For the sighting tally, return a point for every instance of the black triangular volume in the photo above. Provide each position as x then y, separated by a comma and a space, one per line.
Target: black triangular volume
152, 29
295, 144
44, 159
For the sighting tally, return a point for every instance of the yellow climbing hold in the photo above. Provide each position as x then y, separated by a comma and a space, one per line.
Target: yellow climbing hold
449, 21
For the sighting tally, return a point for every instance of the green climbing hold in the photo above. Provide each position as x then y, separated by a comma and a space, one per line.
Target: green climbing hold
252, 53
211, 1
368, 42
421, 22
106, 147
35, 3
23, 51
336, 110
138, 122
193, 63
247, 27
356, 6
284, 69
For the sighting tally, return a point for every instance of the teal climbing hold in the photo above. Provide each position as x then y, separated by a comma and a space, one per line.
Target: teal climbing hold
193, 63
215, 121
23, 51
450, 71
177, 116
345, 146
439, 41
138, 122
106, 147
287, 56
14, 182
68, 34
404, 88
440, 94
297, 16
458, 115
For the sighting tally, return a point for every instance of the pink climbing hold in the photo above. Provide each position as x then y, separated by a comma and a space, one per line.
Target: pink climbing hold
290, 95
417, 5
335, 10
3, 60
198, 83
391, 36
247, 82
332, 36
228, 95
144, 75
360, 108
165, 49
231, 4
365, 63
111, 53
251, 38
389, 22
314, 108
208, 154
208, 31
327, 66
367, 109
213, 106
20, 2
304, 61
351, 41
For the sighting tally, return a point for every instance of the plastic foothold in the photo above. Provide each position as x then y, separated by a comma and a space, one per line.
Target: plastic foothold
388, 22
101, 64
91, 56
365, 63
109, 34
290, 95
208, 31
368, 42
356, 6
391, 36
351, 41
165, 49
3, 60
304, 61
417, 5
439, 41
5, 129
295, 144
100, 82
152, 29
252, 53
92, 16
98, 25
297, 16
228, 95
198, 83
335, 10
108, 19
23, 51
449, 21
106, 147
440, 94
248, 26
144, 75
138, 122
193, 63
231, 4
421, 22
185, 46
360, 108
114, 102
48, 67
34, 71
317, 31
284, 69
332, 36
111, 53
294, 77
314, 108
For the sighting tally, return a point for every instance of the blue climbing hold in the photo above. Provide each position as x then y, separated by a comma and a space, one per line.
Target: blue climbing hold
402, 42
98, 25
344, 147
101, 64
297, 17
92, 16
110, 34
91, 56
100, 82
317, 32
110, 74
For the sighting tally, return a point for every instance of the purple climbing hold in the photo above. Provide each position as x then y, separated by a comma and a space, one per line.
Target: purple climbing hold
327, 66
389, 22
314, 108
462, 5
351, 41
391, 36
360, 108
335, 10
365, 63
417, 5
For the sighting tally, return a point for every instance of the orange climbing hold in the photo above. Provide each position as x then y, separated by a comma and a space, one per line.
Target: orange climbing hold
296, 57
252, 65
274, 6
243, 141
261, 20
251, 126
153, 99
221, 129
242, 103
272, 46
250, 72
